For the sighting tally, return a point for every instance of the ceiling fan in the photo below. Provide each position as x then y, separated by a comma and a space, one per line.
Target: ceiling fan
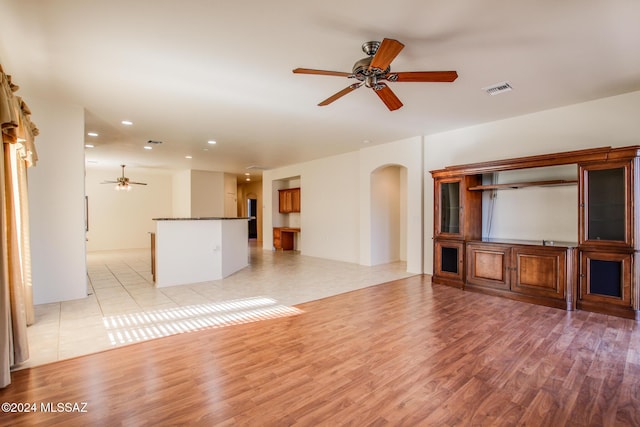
122, 182
373, 70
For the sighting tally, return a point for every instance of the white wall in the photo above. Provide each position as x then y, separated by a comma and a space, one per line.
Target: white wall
207, 193
56, 199
200, 193
181, 194
605, 122
123, 219
550, 213
230, 208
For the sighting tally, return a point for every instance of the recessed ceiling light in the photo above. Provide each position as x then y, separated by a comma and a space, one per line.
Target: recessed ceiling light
89, 145
126, 122
188, 157
148, 147
247, 173
248, 179
92, 134
212, 142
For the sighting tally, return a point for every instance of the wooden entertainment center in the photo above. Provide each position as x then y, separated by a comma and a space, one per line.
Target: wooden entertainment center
598, 272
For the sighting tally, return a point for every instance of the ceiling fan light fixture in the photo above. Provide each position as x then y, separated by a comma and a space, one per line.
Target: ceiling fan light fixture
122, 182
122, 186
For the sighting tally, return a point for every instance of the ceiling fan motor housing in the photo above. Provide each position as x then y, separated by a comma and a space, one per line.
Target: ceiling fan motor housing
370, 77
370, 48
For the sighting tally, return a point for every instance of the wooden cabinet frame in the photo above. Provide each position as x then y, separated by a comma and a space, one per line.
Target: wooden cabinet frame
549, 275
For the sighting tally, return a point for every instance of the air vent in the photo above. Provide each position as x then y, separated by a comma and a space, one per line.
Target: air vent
258, 168
498, 88
151, 141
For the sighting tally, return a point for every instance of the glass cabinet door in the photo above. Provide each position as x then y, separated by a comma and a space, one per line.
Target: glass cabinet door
449, 208
604, 216
450, 202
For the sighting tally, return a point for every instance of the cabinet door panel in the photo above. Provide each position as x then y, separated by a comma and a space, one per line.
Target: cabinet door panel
605, 278
487, 265
295, 200
289, 200
450, 205
449, 262
540, 271
276, 238
605, 192
458, 211
283, 204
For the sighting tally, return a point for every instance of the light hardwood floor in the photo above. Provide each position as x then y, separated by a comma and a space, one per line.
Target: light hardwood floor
401, 353
123, 306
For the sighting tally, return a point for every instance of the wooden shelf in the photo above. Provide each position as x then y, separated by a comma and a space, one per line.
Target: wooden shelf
514, 185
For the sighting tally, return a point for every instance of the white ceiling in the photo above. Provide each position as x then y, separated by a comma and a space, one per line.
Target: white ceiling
189, 71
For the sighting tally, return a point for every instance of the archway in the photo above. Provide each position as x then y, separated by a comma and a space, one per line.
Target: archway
388, 214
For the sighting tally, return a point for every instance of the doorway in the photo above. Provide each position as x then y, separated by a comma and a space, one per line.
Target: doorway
252, 213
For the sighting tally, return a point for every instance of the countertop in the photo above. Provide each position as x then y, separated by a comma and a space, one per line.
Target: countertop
290, 229
529, 242
204, 218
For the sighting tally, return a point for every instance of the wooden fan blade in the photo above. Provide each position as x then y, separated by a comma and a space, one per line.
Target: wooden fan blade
109, 182
388, 97
137, 183
388, 50
340, 94
425, 76
320, 72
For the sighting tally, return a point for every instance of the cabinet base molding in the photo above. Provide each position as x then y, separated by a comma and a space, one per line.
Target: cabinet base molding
547, 302
625, 312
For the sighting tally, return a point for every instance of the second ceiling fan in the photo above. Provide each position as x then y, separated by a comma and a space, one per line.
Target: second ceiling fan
373, 70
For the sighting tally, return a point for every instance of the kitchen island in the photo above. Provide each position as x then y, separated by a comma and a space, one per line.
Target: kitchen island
192, 250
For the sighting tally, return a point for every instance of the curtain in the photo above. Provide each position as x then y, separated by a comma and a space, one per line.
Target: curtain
16, 297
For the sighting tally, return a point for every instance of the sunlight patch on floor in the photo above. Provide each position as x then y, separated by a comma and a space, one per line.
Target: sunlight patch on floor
135, 327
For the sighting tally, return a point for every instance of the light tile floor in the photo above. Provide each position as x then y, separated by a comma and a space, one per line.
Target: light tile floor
123, 305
